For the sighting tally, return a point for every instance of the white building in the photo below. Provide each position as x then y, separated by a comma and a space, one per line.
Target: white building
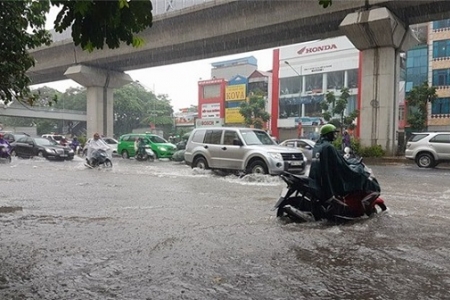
306, 72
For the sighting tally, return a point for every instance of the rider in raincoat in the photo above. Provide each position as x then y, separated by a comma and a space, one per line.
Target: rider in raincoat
331, 176
95, 144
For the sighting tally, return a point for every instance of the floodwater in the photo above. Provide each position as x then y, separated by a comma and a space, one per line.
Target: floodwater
164, 231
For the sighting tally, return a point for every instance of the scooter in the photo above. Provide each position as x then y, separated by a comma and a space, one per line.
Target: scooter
99, 158
299, 203
147, 154
5, 154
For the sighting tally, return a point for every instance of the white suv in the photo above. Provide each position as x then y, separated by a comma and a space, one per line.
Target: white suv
241, 149
428, 149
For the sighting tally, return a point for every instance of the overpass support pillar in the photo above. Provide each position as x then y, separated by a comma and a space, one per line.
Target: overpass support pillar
100, 86
381, 37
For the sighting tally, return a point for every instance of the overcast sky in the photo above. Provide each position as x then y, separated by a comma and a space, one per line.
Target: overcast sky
178, 81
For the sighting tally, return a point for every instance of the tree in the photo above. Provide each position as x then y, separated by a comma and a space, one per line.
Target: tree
332, 106
418, 99
254, 112
94, 23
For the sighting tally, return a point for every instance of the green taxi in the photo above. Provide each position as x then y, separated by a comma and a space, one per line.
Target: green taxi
161, 147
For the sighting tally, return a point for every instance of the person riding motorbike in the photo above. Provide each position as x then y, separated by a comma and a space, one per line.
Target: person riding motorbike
4, 142
95, 144
331, 177
141, 147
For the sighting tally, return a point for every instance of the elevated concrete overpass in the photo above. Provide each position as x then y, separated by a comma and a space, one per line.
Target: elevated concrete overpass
224, 27
379, 28
18, 110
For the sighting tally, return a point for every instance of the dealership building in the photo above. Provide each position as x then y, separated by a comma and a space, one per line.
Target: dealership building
303, 74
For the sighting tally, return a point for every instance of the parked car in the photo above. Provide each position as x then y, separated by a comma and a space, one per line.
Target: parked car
428, 149
27, 147
112, 143
241, 149
161, 147
11, 137
305, 145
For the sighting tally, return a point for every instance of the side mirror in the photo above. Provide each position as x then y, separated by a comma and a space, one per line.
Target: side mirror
237, 142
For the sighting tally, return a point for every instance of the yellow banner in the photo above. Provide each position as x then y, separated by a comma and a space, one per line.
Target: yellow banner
235, 92
232, 116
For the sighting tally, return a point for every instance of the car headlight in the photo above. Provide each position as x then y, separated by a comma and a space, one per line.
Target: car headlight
276, 155
49, 150
162, 148
71, 151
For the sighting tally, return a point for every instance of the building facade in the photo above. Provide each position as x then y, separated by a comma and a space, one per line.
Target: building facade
439, 75
303, 75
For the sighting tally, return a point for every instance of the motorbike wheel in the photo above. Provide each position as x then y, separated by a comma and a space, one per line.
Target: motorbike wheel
108, 163
298, 209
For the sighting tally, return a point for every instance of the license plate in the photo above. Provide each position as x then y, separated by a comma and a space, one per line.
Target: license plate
63, 155
296, 163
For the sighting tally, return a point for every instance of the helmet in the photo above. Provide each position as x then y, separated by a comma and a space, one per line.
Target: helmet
327, 129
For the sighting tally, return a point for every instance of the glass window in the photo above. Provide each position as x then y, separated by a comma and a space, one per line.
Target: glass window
229, 137
417, 137
211, 91
352, 76
290, 85
335, 80
22, 140
441, 138
157, 139
198, 136
256, 137
314, 82
441, 77
440, 106
213, 136
441, 24
441, 48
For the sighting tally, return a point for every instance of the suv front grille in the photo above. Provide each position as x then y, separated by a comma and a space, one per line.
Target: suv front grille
292, 156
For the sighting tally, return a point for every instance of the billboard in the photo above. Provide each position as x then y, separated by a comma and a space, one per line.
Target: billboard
210, 110
235, 92
213, 122
233, 116
185, 118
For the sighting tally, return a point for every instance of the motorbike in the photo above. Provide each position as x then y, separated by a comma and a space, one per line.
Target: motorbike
99, 158
147, 154
5, 154
299, 203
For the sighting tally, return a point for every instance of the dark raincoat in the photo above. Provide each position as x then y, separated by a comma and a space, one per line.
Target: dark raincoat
331, 175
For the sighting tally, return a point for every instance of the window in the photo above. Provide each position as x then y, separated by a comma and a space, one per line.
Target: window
157, 139
441, 48
441, 138
198, 136
352, 76
335, 80
417, 137
290, 85
440, 106
211, 91
213, 136
441, 77
229, 137
314, 82
441, 24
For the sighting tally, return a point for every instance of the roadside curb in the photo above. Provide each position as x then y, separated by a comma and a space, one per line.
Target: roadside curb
387, 160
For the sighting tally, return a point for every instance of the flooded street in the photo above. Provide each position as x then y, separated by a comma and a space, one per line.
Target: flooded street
164, 231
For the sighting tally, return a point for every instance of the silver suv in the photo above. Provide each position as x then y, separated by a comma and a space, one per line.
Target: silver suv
241, 149
428, 149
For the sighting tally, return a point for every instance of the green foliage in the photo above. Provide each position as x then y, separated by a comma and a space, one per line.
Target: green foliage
254, 112
336, 106
418, 99
325, 3
16, 17
95, 23
371, 151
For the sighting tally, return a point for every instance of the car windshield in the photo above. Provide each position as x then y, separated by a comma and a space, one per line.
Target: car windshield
256, 137
44, 142
57, 137
157, 139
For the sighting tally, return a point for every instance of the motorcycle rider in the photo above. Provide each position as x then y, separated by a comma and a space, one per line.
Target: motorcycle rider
141, 147
4, 142
331, 177
95, 144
